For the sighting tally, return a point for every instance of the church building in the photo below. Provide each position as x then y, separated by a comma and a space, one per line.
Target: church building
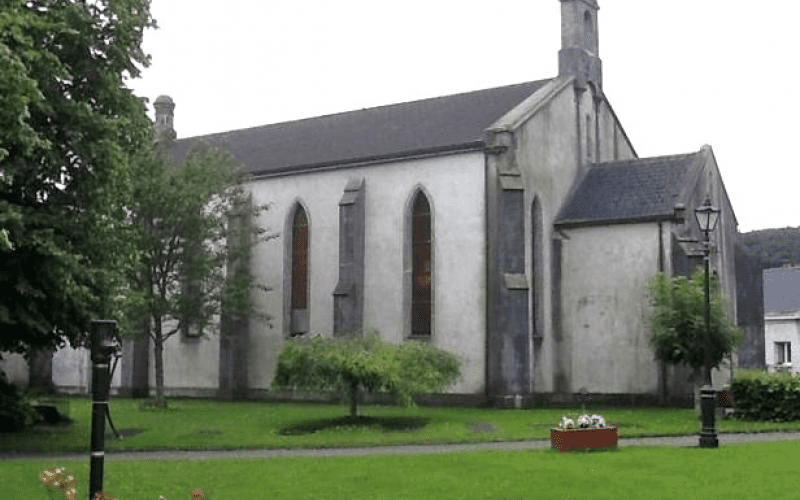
515, 227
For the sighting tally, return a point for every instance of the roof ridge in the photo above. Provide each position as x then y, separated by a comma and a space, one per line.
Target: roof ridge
646, 159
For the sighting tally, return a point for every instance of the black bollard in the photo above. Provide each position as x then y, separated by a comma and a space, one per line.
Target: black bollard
708, 407
102, 338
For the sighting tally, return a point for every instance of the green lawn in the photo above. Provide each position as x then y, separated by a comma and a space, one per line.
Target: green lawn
737, 471
204, 424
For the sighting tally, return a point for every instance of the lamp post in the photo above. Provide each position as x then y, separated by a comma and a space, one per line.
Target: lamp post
102, 338
707, 217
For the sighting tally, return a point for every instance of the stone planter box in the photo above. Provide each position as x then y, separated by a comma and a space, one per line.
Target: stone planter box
584, 439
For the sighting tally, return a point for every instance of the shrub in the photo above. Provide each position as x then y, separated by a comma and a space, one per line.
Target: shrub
678, 328
16, 413
766, 396
365, 363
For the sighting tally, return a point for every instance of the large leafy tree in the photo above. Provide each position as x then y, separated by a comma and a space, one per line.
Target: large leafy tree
365, 363
192, 230
678, 328
67, 125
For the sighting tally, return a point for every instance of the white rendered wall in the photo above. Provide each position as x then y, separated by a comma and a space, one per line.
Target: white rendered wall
16, 369
551, 149
191, 365
783, 328
71, 370
455, 188
606, 274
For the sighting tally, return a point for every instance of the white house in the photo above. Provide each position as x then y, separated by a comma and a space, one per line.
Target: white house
782, 319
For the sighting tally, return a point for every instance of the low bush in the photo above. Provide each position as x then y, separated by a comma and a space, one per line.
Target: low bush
766, 396
16, 412
365, 362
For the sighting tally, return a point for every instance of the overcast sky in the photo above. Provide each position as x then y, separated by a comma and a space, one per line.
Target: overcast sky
679, 74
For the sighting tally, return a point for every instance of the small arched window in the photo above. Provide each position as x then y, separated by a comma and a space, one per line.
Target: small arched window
300, 259
588, 31
422, 267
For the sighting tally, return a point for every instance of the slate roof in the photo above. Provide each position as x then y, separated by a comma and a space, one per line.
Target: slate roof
781, 290
450, 123
631, 190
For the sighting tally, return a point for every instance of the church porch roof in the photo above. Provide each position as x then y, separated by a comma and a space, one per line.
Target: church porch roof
635, 190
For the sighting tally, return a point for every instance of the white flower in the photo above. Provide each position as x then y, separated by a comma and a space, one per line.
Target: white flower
598, 421
584, 422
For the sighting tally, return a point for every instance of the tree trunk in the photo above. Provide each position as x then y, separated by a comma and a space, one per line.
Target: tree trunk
663, 397
40, 369
159, 356
353, 399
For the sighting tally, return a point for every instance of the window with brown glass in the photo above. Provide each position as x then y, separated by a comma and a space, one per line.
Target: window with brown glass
299, 291
421, 271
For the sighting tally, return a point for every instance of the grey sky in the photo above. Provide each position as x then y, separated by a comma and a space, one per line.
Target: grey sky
679, 74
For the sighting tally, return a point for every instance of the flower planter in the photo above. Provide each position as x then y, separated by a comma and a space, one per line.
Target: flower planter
584, 439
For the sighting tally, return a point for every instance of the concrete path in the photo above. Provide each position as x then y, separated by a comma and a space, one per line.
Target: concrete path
679, 441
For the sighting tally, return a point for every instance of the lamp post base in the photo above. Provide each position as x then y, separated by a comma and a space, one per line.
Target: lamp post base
709, 440
708, 403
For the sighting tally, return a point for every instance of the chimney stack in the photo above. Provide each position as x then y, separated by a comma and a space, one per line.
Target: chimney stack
165, 114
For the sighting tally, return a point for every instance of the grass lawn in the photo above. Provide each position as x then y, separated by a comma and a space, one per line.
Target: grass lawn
736, 471
204, 424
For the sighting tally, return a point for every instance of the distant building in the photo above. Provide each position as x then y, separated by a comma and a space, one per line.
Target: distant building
515, 227
782, 319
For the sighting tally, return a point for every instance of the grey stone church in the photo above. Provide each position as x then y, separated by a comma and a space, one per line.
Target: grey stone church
515, 227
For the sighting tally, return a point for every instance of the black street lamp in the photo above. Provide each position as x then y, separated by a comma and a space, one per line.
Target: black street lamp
707, 217
103, 333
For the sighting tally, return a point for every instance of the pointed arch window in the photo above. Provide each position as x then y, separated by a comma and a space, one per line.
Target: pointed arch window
588, 31
421, 267
299, 278
537, 260
299, 259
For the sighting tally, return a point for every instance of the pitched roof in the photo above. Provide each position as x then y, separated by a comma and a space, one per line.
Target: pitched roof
450, 123
631, 190
781, 290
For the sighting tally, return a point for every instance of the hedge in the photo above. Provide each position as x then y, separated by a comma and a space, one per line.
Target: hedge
766, 396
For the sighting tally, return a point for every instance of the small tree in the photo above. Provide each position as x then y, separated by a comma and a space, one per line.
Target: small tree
365, 363
678, 322
191, 227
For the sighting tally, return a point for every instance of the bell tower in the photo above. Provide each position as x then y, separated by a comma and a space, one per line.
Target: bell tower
579, 55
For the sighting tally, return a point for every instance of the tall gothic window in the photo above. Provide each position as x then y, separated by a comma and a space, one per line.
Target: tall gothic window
299, 292
537, 240
422, 267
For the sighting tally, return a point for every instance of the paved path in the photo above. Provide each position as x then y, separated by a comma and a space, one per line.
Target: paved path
679, 441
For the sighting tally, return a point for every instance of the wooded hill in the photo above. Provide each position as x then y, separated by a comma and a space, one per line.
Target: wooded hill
773, 247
